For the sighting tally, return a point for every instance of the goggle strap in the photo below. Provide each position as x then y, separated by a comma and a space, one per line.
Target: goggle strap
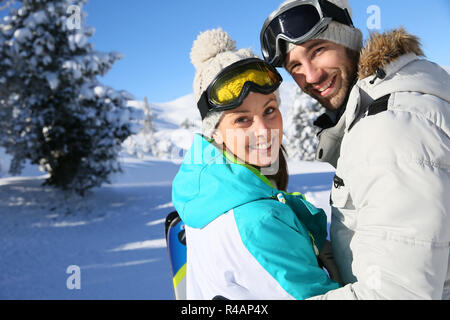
203, 105
338, 14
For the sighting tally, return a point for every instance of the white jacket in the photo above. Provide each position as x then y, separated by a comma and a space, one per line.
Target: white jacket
390, 227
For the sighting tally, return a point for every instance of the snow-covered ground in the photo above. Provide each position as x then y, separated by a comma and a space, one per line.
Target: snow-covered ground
115, 234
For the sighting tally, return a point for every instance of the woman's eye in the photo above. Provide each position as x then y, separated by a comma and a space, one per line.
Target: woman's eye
270, 110
241, 120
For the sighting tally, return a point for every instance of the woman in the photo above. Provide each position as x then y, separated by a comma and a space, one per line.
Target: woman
246, 237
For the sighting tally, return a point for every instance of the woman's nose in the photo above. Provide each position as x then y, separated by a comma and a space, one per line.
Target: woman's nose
260, 124
261, 128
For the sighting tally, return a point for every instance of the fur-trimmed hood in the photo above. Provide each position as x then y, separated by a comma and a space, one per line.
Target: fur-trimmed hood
393, 62
382, 49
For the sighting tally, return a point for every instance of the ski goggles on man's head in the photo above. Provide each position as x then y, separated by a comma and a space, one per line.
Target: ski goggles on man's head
232, 85
297, 22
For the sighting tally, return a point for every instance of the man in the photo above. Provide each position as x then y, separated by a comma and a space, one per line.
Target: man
387, 132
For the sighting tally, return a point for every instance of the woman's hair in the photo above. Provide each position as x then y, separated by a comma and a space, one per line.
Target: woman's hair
281, 178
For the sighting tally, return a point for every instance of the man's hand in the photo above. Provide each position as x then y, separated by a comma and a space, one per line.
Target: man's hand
327, 259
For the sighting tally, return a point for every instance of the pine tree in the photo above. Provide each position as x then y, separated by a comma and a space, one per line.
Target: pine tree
143, 142
301, 133
148, 130
53, 110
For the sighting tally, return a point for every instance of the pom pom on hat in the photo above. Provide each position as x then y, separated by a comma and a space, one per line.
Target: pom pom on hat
209, 44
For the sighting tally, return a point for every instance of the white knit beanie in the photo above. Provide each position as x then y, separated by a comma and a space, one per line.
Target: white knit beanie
212, 51
337, 32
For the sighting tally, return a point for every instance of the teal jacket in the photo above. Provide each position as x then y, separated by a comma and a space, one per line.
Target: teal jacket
245, 238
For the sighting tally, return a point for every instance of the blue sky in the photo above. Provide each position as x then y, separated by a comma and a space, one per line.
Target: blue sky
156, 36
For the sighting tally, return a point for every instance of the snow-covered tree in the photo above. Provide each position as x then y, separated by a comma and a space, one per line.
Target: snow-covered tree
6, 4
143, 142
53, 110
148, 129
301, 134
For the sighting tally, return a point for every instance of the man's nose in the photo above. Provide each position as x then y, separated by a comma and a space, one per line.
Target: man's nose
312, 73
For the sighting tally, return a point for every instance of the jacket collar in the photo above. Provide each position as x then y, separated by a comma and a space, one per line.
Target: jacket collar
382, 51
391, 63
383, 56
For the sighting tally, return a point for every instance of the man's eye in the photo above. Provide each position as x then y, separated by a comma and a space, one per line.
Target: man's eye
295, 68
318, 50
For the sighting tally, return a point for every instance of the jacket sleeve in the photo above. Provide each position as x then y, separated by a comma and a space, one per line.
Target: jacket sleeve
277, 240
398, 178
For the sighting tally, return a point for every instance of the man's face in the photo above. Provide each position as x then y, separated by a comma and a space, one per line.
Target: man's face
324, 70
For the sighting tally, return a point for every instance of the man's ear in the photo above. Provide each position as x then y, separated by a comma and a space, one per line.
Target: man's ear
217, 136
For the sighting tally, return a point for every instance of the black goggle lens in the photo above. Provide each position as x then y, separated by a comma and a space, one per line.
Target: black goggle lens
294, 23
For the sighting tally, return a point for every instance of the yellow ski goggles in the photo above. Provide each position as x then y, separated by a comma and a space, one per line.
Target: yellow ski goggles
232, 85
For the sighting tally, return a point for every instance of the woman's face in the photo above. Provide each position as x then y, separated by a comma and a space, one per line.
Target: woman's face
253, 132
